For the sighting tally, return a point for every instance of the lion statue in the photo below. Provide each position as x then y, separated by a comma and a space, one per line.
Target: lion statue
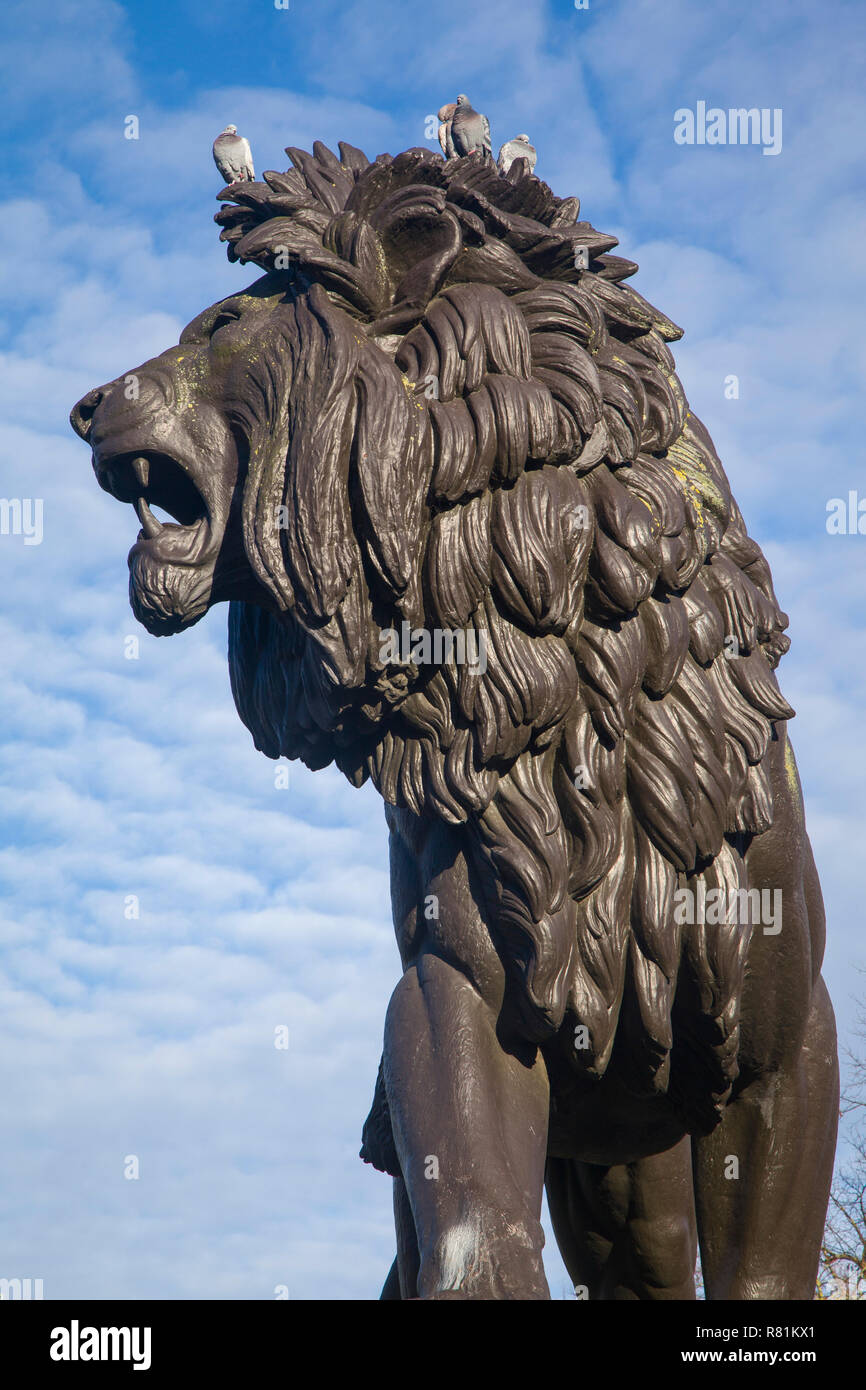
477, 549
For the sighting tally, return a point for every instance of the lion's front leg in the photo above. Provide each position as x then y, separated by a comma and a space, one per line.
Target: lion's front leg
469, 1116
470, 1127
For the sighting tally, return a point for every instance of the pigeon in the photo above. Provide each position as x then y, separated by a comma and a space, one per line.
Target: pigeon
446, 116
470, 130
518, 148
233, 157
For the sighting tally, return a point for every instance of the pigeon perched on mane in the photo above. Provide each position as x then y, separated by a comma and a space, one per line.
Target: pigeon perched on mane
518, 148
470, 131
233, 157
446, 116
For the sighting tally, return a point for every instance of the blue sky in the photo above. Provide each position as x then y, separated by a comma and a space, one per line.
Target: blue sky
263, 906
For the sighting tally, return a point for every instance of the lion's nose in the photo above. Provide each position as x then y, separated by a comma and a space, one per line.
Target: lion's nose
81, 415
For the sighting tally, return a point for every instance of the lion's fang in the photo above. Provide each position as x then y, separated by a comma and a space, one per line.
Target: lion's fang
149, 524
141, 469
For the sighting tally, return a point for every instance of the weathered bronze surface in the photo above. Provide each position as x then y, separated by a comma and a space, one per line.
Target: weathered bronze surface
478, 550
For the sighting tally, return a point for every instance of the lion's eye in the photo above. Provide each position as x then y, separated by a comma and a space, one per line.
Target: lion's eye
224, 317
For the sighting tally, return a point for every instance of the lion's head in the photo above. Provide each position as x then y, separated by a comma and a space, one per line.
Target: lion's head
442, 412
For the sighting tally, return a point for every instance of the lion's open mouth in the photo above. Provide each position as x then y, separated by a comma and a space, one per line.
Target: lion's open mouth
172, 562
150, 480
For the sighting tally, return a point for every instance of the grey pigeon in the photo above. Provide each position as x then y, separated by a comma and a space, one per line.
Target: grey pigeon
446, 116
470, 130
233, 157
518, 148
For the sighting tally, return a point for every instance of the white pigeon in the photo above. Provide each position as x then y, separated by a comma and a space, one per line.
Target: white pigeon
446, 116
518, 148
233, 157
470, 131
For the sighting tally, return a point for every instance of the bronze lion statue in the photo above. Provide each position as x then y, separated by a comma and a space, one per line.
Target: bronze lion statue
477, 549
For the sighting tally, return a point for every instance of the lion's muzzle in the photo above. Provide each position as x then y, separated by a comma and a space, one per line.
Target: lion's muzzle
147, 454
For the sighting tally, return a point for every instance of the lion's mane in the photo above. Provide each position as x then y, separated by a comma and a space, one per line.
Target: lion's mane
469, 432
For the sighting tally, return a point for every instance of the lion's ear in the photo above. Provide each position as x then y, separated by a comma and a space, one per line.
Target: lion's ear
353, 239
283, 242
421, 239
